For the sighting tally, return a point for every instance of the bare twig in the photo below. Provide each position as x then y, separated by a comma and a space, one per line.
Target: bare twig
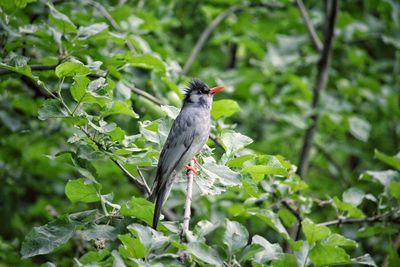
320, 84
141, 184
205, 35
112, 21
310, 28
188, 201
213, 24
144, 94
374, 219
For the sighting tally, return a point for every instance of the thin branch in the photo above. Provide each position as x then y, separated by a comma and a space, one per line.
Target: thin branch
205, 35
112, 21
310, 28
33, 67
320, 84
141, 184
214, 24
374, 219
144, 94
297, 215
188, 201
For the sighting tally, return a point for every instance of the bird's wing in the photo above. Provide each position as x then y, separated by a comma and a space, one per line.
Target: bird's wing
175, 148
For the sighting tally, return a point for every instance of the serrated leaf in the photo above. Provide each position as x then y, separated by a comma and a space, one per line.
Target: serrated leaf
359, 128
235, 236
234, 142
270, 251
354, 196
204, 253
395, 189
85, 32
314, 232
60, 20
350, 208
285, 260
79, 190
131, 247
147, 61
393, 161
119, 107
71, 68
328, 255
51, 109
44, 239
224, 108
238, 161
150, 238
340, 241
93, 232
139, 208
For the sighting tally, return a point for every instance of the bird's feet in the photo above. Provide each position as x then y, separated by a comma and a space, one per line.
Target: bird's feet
191, 169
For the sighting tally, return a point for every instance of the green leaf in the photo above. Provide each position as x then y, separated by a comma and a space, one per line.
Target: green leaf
85, 32
61, 21
71, 68
119, 107
351, 209
204, 253
94, 256
51, 109
139, 208
225, 108
328, 255
249, 251
131, 247
272, 219
270, 251
44, 239
150, 238
221, 173
147, 61
257, 170
80, 190
395, 189
170, 111
359, 128
354, 196
235, 236
340, 241
384, 177
285, 260
78, 87
314, 232
93, 232
238, 161
365, 260
393, 161
233, 142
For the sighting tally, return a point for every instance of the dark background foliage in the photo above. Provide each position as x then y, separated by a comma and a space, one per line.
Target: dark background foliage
88, 91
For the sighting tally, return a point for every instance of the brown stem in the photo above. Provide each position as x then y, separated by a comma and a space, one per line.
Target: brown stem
320, 84
310, 28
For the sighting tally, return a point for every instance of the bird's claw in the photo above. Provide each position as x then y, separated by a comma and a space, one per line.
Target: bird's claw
191, 169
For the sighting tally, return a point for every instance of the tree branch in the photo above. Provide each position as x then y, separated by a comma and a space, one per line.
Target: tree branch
320, 84
310, 28
213, 24
144, 94
33, 67
188, 201
374, 219
297, 215
205, 35
141, 184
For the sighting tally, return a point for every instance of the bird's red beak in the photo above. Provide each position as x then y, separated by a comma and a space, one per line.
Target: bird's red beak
216, 89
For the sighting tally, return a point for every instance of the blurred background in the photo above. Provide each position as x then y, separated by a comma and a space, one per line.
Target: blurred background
263, 54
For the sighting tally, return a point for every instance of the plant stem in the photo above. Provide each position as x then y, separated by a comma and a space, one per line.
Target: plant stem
188, 201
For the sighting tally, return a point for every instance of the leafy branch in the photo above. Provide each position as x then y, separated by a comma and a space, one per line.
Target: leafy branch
310, 28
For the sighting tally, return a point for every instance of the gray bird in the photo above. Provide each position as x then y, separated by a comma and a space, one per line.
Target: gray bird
186, 138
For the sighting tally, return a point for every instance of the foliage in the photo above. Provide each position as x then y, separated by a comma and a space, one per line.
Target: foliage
81, 83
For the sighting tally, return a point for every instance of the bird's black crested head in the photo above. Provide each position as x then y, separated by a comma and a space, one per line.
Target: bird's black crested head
196, 87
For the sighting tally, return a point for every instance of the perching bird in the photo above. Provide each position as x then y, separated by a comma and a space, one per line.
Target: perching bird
186, 138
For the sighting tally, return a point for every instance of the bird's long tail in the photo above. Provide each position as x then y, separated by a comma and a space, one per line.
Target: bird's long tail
157, 210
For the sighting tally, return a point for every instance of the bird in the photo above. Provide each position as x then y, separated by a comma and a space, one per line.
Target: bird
186, 138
